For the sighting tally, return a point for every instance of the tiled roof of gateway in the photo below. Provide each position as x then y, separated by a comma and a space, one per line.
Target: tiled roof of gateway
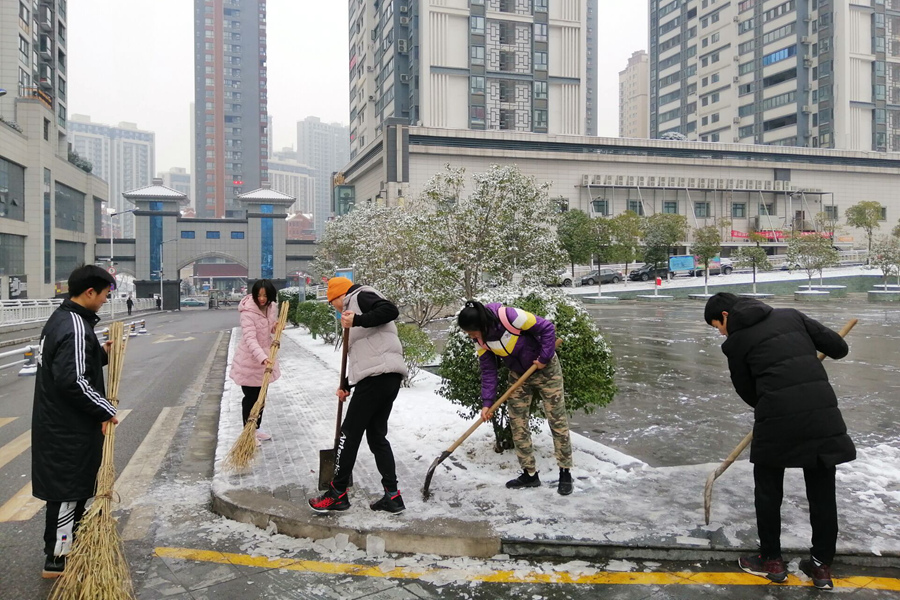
266, 194
155, 191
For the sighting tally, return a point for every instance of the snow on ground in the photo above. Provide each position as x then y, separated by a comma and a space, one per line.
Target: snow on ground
618, 499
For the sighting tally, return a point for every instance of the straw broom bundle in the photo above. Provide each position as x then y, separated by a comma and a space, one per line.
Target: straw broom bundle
96, 568
244, 449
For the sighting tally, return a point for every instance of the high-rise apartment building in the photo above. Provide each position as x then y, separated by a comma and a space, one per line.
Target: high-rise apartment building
634, 97
122, 155
324, 148
51, 205
289, 176
34, 33
520, 65
230, 115
817, 73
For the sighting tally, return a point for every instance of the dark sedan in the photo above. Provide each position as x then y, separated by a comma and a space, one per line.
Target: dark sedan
602, 276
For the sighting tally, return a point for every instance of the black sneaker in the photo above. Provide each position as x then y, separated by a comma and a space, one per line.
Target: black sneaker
565, 482
819, 572
54, 567
330, 500
391, 502
772, 569
524, 481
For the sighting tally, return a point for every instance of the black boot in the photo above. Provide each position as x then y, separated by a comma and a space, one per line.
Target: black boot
524, 481
565, 482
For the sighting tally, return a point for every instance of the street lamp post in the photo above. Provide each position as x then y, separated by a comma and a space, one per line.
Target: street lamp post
112, 235
161, 269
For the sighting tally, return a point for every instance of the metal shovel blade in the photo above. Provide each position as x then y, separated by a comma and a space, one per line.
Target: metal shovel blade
326, 468
425, 493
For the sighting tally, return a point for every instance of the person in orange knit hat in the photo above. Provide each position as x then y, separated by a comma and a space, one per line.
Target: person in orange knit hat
375, 370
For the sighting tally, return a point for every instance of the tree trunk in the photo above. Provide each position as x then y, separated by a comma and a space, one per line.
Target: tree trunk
754, 276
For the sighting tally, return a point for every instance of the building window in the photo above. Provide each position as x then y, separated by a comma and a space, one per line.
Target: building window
636, 206
237, 235
476, 25
540, 61
477, 54
476, 85
188, 235
540, 32
766, 209
540, 90
883, 216
670, 207
600, 207
739, 210
213, 235
831, 213
477, 114
540, 119
701, 209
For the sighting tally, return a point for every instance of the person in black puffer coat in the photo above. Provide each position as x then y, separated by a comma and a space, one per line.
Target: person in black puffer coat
797, 424
70, 412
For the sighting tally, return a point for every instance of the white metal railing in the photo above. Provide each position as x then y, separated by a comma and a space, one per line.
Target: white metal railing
16, 312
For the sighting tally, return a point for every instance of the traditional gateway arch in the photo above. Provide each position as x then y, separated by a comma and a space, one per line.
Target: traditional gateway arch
165, 242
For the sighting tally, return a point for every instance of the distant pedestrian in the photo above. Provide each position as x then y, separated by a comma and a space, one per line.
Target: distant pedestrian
159, 303
70, 412
130, 304
521, 339
375, 370
797, 424
259, 315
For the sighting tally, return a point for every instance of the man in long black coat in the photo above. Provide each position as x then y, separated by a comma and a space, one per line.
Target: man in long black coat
70, 412
797, 424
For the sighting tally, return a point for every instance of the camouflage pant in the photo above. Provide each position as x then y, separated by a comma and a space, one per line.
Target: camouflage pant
548, 383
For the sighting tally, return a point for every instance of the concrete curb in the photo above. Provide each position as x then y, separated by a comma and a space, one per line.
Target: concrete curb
444, 537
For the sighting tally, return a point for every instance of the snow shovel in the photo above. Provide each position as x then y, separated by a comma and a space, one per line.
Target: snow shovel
707, 491
471, 430
326, 457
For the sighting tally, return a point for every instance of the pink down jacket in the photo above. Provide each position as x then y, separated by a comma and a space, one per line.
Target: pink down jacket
256, 340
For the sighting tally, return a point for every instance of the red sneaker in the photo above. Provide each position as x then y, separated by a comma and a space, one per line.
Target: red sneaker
819, 572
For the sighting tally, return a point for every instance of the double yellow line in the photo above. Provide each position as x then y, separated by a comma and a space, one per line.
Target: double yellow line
602, 578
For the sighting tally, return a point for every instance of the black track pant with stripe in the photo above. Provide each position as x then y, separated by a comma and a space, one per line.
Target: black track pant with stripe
62, 521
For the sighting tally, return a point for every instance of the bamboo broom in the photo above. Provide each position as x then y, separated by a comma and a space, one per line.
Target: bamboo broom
244, 449
96, 567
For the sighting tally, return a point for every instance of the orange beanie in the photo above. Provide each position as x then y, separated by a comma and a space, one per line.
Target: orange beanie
337, 287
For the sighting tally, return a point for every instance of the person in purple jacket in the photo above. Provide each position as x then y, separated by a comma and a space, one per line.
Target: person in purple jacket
521, 339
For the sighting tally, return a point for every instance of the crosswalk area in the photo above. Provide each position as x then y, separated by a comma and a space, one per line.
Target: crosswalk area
20, 505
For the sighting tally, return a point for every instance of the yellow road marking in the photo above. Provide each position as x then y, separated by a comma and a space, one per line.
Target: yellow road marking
22, 506
7, 420
602, 578
15, 448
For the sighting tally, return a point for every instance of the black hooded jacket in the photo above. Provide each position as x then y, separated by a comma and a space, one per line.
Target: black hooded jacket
69, 406
772, 357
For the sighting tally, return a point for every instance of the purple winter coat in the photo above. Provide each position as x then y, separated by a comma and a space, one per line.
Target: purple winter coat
518, 352
248, 366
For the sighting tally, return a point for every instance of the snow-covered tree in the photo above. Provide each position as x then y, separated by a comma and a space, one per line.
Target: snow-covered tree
505, 225
812, 252
395, 250
752, 256
707, 245
661, 232
865, 215
625, 233
886, 256
577, 236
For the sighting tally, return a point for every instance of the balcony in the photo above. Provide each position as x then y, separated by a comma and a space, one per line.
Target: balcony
46, 47
45, 19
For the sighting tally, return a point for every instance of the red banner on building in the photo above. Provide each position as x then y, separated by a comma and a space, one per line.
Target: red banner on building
739, 234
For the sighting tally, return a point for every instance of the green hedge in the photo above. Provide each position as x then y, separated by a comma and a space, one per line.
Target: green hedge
418, 349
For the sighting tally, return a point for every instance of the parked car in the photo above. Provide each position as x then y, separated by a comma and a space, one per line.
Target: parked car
563, 278
648, 272
726, 268
602, 276
192, 302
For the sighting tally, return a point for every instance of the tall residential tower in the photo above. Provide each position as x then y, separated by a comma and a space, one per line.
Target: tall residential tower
324, 148
521, 65
816, 73
230, 116
634, 97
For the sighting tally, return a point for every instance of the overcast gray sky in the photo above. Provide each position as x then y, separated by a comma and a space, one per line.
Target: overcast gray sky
132, 60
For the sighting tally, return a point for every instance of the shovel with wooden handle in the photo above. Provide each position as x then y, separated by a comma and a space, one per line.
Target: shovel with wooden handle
327, 457
707, 491
476, 425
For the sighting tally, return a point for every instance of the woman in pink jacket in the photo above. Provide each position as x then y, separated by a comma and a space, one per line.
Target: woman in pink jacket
259, 314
